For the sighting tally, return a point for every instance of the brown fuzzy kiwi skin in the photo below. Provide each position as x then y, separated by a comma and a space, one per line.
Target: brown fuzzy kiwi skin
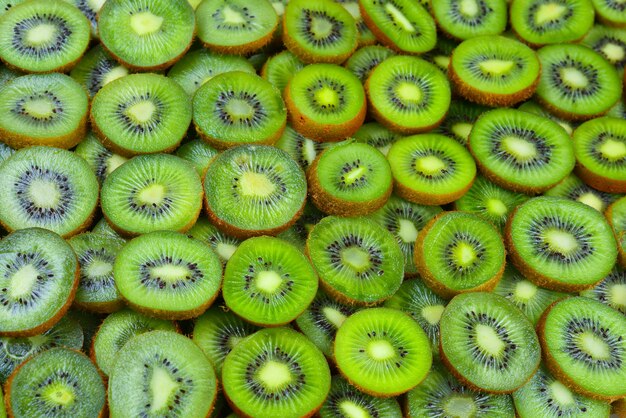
420, 255
618, 408
220, 144
242, 414
173, 315
422, 198
244, 49
67, 141
599, 182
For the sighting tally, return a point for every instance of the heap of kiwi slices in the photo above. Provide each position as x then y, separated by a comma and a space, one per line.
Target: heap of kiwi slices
312, 208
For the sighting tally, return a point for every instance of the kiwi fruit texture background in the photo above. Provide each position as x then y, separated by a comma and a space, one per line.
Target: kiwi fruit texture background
312, 208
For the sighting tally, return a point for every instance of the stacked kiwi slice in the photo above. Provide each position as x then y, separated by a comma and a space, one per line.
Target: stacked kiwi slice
312, 208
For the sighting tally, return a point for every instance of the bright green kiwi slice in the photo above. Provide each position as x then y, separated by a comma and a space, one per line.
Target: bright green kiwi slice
363, 60
611, 291
14, 351
531, 106
281, 68
223, 244
89, 322
382, 351
344, 400
441, 395
560, 244
302, 149
141, 114
263, 183
488, 343
616, 215
198, 153
545, 396
584, 345
520, 151
358, 261
167, 274
152, 193
48, 188
161, 373
276, 372
102, 227
611, 12
608, 42
402, 25
90, 9
408, 94
146, 34
376, 135
576, 82
464, 19
101, 160
116, 330
43, 36
56, 383
574, 188
298, 233
460, 119
97, 68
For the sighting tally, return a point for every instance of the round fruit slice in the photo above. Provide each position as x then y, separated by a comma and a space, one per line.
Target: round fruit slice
611, 291
101, 160
344, 400
96, 69
464, 19
575, 189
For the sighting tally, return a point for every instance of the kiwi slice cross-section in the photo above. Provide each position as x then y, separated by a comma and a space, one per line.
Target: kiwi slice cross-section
463, 19
198, 153
574, 188
608, 42
363, 60
281, 68
222, 244
532, 106
376, 135
302, 149
101, 160
96, 69
344, 400
611, 290
460, 120
610, 12
616, 215
90, 9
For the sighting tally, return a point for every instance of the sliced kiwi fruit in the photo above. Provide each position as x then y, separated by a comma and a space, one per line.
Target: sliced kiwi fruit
199, 66
90, 9
298, 233
430, 169
402, 25
404, 220
238, 108
302, 149
141, 114
460, 120
116, 330
7, 74
43, 36
168, 275
49, 188
152, 193
96, 69
541, 22
55, 383
44, 109
222, 244
280, 69
275, 372
611, 290
382, 352
376, 135
265, 184
235, 26
198, 153
440, 56
545, 396
610, 12
5, 152
488, 343
6, 5
616, 215
441, 395
574, 188
161, 373
363, 60
583, 344
560, 244
101, 160
89, 323
366, 37
494, 70
344, 400
407, 94
608, 42
358, 261
14, 351
325, 102
531, 106
520, 151
463, 19
102, 227
576, 82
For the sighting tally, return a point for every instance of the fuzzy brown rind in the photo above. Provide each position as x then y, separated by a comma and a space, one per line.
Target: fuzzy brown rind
221, 144
242, 414
173, 315
243, 49
69, 140
599, 182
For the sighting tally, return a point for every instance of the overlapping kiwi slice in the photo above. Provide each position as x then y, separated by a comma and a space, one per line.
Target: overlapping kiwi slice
346, 400
610, 12
611, 290
608, 42
222, 244
198, 153
101, 160
464, 19
532, 106
96, 69
376, 135
280, 69
574, 188
363, 60
460, 119
302, 149
616, 215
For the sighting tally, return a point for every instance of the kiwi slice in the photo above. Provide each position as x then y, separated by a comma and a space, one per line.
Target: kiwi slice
358, 261
101, 160
545, 396
8, 74
494, 70
298, 233
264, 183
198, 153
608, 42
89, 323
14, 351
574, 188
302, 149
441, 395
199, 66
376, 135
57, 382
280, 69
382, 352
489, 201
275, 372
168, 275
141, 114
583, 343
431, 169
116, 330
321, 320
102, 227
404, 220
96, 69
531, 106
469, 19
616, 215
610, 12
541, 22
46, 109
403, 25
152, 193
407, 94
90, 9
621, 249
6, 5
520, 151
366, 37
325, 102
42, 36
161, 373
222, 244
611, 290
576, 82
236, 26
488, 343
268, 281
363, 60
5, 152
440, 56
49, 188
460, 120
217, 331
238, 108
319, 31
560, 244
344, 400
